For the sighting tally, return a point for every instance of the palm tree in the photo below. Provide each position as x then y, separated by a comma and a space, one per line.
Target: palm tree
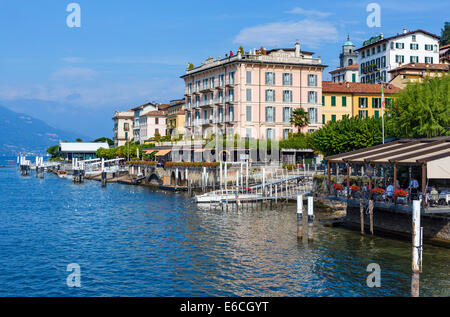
299, 118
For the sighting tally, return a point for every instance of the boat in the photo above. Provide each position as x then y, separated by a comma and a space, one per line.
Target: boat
62, 174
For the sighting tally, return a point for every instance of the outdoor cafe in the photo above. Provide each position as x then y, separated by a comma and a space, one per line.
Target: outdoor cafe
395, 173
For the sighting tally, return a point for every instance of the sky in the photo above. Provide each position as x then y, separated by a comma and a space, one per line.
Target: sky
126, 53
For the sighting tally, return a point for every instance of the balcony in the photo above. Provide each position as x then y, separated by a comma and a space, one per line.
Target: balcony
208, 102
230, 99
230, 83
218, 101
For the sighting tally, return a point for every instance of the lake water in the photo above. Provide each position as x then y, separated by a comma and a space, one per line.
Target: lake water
135, 241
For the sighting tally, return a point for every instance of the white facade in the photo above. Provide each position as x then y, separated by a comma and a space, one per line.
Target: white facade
123, 127
381, 54
138, 111
152, 123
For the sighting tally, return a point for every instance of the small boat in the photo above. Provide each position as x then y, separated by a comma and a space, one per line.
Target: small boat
62, 174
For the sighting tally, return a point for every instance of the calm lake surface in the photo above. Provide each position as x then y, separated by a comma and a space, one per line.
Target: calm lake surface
135, 241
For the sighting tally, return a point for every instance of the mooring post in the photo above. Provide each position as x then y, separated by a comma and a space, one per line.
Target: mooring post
371, 216
310, 217
361, 211
276, 194
416, 249
103, 179
299, 216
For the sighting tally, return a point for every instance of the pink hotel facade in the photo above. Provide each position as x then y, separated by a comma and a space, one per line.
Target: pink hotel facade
253, 95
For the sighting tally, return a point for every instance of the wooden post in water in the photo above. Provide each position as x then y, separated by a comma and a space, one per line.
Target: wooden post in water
361, 211
416, 249
371, 216
310, 217
104, 179
299, 216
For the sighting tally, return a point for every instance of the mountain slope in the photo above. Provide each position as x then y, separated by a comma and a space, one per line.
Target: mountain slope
21, 133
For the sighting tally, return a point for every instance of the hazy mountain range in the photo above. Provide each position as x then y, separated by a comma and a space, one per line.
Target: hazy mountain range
22, 133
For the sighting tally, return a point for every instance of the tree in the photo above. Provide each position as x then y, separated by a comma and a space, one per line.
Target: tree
347, 135
445, 34
298, 141
79, 140
53, 151
299, 118
105, 140
190, 66
241, 50
421, 109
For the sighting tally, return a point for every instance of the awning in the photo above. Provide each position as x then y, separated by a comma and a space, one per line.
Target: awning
163, 152
199, 150
150, 151
439, 169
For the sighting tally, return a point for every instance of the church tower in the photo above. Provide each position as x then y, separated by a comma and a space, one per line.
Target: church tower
348, 56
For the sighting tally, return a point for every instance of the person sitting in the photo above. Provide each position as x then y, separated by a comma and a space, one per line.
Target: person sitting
434, 197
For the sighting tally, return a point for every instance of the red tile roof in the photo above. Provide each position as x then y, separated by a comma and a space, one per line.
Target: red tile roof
328, 86
422, 66
155, 113
339, 69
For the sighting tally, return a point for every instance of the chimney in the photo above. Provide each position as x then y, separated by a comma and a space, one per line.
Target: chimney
405, 31
297, 49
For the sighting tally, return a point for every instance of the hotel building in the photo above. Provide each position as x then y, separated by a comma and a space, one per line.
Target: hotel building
379, 55
123, 127
253, 94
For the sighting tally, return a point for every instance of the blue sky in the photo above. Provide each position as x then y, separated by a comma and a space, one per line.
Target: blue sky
128, 52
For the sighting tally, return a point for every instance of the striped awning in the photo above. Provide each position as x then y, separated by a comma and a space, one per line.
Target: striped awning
163, 152
406, 152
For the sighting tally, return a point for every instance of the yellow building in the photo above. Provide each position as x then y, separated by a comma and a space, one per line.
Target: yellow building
353, 99
416, 72
176, 117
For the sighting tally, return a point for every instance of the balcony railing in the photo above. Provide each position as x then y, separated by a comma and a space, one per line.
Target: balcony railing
229, 99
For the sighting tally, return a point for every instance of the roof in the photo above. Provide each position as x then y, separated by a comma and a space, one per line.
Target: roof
82, 147
399, 35
288, 50
339, 69
163, 106
444, 47
155, 113
124, 114
422, 66
328, 86
403, 152
142, 106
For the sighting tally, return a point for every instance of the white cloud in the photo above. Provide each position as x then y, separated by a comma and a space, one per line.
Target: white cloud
310, 13
309, 32
70, 73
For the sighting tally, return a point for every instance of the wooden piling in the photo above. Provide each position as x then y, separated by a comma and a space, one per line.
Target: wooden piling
361, 211
310, 218
299, 216
371, 216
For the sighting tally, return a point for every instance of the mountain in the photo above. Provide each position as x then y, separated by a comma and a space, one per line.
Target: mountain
22, 133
